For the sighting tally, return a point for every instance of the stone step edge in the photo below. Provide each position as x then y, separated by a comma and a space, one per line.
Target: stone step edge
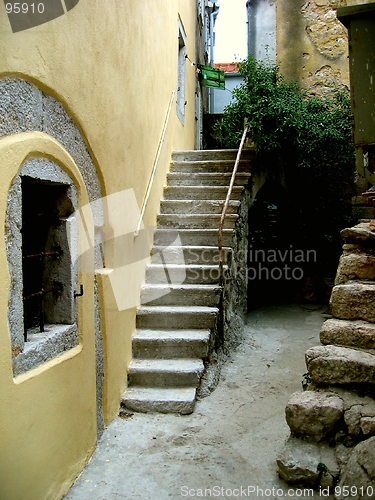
177, 309
161, 400
154, 335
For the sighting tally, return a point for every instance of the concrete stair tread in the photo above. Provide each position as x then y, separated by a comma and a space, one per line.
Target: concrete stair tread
205, 188
184, 286
164, 400
197, 207
166, 365
177, 309
182, 266
212, 154
161, 248
183, 274
200, 192
154, 372
171, 344
149, 334
192, 237
192, 293
191, 254
206, 178
216, 217
166, 221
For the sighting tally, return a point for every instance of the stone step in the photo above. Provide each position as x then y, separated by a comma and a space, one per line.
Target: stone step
206, 179
331, 364
160, 400
201, 192
360, 234
355, 264
225, 166
176, 295
170, 344
347, 333
197, 207
191, 274
354, 300
166, 372
195, 221
212, 155
188, 254
182, 318
192, 237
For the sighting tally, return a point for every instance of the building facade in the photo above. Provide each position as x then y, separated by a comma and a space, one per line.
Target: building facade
85, 92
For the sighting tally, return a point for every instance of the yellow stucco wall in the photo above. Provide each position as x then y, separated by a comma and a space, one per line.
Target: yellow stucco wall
113, 65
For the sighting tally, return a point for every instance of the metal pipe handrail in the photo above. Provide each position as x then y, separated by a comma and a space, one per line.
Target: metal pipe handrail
153, 172
226, 204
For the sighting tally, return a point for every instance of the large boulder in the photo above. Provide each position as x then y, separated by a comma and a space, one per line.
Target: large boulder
354, 300
348, 333
360, 234
358, 476
298, 462
355, 263
340, 365
312, 415
352, 418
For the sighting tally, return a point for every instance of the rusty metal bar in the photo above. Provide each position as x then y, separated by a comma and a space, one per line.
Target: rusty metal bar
43, 292
220, 234
42, 254
226, 204
39, 295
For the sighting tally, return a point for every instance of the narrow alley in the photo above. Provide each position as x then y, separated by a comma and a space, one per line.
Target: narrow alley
232, 438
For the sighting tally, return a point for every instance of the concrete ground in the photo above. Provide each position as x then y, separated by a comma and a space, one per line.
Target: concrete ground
233, 437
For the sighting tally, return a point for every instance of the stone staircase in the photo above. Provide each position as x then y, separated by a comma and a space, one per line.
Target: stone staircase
180, 299
347, 355
337, 412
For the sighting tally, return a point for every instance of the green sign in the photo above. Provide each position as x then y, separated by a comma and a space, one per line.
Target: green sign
211, 77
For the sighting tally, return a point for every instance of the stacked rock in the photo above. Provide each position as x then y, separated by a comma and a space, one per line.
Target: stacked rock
332, 424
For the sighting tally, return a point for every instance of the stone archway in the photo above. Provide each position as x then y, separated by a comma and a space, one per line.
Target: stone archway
26, 108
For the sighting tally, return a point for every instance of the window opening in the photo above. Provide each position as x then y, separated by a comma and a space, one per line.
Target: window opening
181, 73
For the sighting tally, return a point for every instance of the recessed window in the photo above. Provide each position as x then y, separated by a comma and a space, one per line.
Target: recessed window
181, 79
46, 264
43, 298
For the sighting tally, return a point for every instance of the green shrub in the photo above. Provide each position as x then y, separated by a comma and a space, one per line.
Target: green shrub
306, 140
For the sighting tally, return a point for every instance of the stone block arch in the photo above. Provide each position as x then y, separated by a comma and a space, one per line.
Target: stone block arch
25, 108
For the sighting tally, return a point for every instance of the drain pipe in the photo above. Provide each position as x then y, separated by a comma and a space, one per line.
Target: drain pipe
213, 17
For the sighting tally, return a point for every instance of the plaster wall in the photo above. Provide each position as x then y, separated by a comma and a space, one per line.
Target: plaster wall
223, 97
113, 67
312, 45
262, 29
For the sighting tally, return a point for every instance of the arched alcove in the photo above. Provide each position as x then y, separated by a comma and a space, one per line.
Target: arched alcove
24, 107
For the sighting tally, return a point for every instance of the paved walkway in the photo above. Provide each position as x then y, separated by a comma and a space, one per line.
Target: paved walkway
233, 437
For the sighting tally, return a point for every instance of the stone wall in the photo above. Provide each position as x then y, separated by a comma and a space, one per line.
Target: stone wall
332, 423
317, 57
